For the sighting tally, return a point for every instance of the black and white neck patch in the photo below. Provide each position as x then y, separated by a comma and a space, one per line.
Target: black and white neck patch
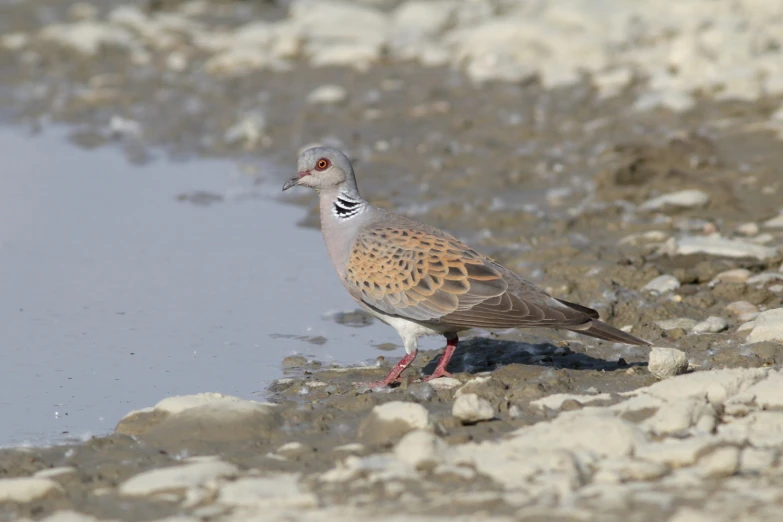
345, 206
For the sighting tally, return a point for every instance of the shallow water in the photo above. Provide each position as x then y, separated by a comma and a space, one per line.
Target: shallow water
116, 293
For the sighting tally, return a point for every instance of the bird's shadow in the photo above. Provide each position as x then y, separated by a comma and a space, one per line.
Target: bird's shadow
481, 354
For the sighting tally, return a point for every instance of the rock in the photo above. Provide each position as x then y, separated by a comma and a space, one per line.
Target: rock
667, 362
716, 385
192, 420
762, 429
737, 275
720, 246
712, 324
744, 310
327, 95
768, 327
722, 462
421, 391
388, 422
556, 400
680, 322
419, 448
26, 489
678, 200
775, 222
54, 472
445, 383
678, 452
249, 131
88, 37
469, 408
177, 479
662, 284
676, 418
275, 491
768, 393
766, 277
754, 460
748, 229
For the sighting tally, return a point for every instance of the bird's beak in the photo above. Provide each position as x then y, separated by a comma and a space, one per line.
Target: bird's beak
294, 181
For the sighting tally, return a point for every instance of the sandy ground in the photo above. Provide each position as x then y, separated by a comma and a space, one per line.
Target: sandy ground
663, 216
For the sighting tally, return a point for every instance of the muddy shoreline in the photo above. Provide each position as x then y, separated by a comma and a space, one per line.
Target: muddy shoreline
665, 218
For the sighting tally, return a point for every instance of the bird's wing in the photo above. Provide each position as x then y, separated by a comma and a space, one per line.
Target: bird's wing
414, 271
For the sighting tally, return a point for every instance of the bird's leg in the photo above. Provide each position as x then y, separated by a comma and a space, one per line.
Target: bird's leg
394, 374
440, 369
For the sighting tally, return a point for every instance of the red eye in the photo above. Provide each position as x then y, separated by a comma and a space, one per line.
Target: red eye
322, 164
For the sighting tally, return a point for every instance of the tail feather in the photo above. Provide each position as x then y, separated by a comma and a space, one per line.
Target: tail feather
596, 328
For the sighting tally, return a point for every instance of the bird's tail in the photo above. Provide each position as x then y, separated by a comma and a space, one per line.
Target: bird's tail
595, 328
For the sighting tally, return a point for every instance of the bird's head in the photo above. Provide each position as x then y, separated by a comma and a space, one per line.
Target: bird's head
322, 168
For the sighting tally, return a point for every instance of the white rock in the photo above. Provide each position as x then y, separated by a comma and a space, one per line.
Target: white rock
414, 415
762, 429
26, 489
275, 491
420, 447
715, 385
249, 130
667, 362
180, 403
755, 460
662, 284
775, 222
687, 514
680, 322
54, 472
712, 324
556, 400
722, 462
327, 94
680, 199
737, 275
445, 383
88, 37
678, 452
750, 325
744, 310
768, 393
766, 277
768, 327
748, 229
678, 417
69, 516
470, 408
721, 246
177, 479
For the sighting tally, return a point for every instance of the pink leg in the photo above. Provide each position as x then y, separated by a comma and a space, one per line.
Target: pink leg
440, 369
394, 374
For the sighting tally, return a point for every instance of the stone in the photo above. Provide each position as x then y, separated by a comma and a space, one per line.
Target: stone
421, 391
736, 275
445, 383
754, 460
388, 422
67, 515
678, 452
716, 385
678, 417
419, 448
469, 408
667, 362
88, 37
55, 472
682, 199
327, 95
744, 310
766, 277
662, 284
748, 229
768, 393
177, 479
723, 247
556, 400
673, 324
768, 327
274, 491
712, 324
775, 222
722, 462
26, 489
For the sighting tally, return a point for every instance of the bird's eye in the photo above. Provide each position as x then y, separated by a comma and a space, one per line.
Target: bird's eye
322, 164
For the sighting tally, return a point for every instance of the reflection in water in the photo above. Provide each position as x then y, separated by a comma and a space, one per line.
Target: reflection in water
114, 294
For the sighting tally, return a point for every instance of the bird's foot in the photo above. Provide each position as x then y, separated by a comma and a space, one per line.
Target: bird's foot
394, 374
377, 385
438, 373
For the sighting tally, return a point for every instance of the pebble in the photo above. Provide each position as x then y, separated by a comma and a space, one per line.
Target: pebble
744, 310
682, 199
719, 246
419, 447
768, 326
177, 479
748, 229
445, 383
421, 391
737, 275
388, 422
680, 322
469, 408
275, 491
667, 362
712, 324
327, 95
775, 222
26, 489
662, 284
764, 278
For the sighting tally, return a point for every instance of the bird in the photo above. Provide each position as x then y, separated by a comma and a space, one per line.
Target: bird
421, 280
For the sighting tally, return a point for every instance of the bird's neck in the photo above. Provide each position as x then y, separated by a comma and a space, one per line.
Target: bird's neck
343, 212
